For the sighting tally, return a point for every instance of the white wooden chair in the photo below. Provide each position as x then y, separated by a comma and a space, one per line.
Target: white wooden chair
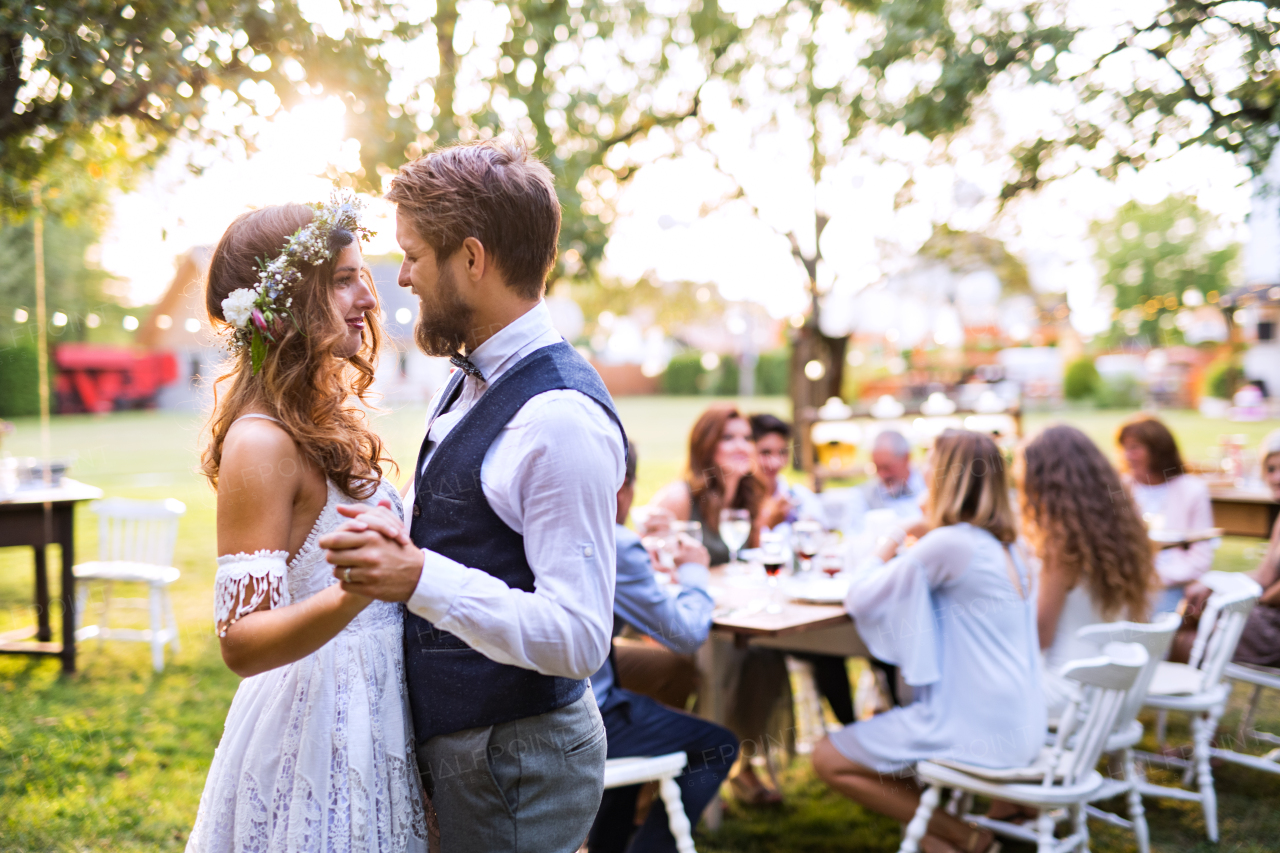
1155, 638
1063, 777
1261, 678
135, 545
663, 769
1199, 688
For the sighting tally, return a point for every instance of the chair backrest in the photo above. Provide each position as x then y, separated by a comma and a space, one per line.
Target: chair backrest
1105, 684
1222, 623
1155, 637
137, 531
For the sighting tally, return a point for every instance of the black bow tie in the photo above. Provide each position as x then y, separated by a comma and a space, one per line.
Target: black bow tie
466, 366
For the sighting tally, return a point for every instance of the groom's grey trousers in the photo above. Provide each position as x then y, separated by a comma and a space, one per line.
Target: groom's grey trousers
529, 786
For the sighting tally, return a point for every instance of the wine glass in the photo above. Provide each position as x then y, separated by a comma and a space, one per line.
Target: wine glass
807, 538
735, 528
692, 529
831, 563
773, 554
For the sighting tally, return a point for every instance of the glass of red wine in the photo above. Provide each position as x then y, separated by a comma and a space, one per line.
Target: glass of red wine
773, 555
807, 539
831, 563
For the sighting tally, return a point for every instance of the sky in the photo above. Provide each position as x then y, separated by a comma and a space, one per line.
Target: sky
662, 227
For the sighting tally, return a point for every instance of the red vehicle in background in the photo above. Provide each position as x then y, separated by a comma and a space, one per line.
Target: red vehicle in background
95, 378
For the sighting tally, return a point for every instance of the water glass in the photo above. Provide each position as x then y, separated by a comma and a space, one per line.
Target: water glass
735, 529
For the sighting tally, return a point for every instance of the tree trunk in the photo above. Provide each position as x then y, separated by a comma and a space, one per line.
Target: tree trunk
808, 344
445, 123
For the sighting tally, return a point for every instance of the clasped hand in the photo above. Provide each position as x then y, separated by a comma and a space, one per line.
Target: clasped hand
372, 554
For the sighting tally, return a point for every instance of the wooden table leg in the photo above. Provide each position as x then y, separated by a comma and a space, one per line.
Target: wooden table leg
43, 632
67, 543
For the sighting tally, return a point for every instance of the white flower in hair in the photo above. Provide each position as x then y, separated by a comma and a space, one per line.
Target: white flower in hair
254, 313
237, 308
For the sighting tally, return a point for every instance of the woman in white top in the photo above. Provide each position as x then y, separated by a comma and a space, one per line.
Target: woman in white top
1169, 498
317, 752
956, 613
1095, 555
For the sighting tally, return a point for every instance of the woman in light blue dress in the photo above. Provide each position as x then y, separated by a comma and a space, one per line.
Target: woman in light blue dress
956, 613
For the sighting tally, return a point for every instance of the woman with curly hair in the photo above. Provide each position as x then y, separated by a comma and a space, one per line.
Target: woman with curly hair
317, 752
1096, 562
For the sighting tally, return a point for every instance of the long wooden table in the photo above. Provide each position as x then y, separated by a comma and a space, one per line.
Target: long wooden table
38, 518
740, 621
1243, 512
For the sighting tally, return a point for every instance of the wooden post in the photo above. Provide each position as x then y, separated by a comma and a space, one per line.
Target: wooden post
42, 331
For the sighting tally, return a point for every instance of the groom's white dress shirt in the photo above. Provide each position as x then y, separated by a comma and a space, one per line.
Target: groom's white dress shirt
552, 475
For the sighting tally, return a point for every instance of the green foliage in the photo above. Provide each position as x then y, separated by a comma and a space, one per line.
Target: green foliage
683, 374
968, 251
117, 83
723, 381
19, 388
1120, 392
72, 285
1081, 379
1153, 256
1025, 44
773, 371
1222, 378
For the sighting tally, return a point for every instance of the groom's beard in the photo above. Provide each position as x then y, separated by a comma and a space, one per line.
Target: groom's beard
444, 320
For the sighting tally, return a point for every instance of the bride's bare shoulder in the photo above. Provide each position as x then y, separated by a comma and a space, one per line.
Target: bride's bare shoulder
258, 451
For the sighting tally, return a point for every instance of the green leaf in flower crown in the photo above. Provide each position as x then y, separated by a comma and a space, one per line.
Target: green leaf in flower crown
257, 351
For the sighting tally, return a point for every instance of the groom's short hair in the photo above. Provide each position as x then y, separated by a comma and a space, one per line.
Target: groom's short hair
495, 191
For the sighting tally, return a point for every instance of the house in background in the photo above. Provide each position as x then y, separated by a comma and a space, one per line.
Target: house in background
179, 324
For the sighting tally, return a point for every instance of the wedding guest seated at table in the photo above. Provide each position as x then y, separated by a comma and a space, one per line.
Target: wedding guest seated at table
1095, 554
722, 474
789, 503
1260, 641
896, 485
634, 723
1169, 499
955, 612
786, 502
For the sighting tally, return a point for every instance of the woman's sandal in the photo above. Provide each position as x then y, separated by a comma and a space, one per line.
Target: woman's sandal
754, 795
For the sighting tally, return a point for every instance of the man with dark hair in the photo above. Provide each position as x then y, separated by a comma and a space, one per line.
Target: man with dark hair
787, 502
507, 565
639, 725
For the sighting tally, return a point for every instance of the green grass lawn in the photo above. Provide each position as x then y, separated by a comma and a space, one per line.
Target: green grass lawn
114, 758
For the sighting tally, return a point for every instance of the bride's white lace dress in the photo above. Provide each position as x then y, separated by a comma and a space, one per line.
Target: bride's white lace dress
317, 755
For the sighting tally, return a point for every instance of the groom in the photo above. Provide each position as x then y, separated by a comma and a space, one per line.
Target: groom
507, 567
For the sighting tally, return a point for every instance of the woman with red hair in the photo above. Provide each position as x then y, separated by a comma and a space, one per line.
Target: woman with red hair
722, 474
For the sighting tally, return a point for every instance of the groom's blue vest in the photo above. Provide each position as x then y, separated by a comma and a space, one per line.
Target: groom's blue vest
452, 686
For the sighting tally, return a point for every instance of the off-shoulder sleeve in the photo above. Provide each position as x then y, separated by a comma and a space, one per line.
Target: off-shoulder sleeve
249, 582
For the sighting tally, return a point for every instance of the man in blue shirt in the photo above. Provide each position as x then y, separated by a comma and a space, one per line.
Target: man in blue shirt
637, 725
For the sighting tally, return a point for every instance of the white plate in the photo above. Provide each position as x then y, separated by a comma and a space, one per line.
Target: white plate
817, 590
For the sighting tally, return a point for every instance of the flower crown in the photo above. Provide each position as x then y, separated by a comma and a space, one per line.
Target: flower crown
254, 312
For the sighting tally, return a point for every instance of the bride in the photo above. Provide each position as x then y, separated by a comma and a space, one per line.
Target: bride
317, 753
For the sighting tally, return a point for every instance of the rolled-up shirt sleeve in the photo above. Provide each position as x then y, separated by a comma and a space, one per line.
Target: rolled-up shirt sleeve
553, 476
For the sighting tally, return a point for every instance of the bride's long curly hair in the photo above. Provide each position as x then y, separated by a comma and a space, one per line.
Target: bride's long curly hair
1082, 521
312, 392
